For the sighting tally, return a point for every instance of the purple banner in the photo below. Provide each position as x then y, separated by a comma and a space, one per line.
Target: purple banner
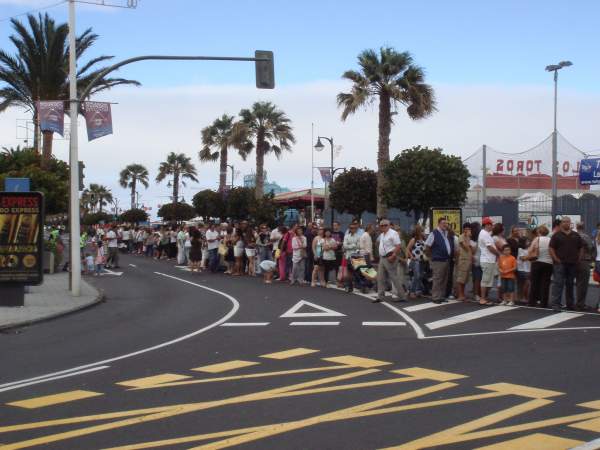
325, 174
52, 116
98, 119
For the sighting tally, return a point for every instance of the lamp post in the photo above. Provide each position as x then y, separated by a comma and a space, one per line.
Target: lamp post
232, 173
319, 147
555, 68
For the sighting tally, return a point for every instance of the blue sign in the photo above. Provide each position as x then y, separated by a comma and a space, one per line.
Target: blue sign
589, 171
16, 185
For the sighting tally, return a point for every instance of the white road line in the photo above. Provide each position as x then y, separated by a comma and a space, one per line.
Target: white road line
132, 265
591, 445
484, 312
384, 324
43, 380
244, 324
411, 322
547, 321
428, 305
225, 318
484, 333
295, 324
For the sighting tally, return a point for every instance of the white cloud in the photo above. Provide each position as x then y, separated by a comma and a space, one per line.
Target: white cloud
149, 123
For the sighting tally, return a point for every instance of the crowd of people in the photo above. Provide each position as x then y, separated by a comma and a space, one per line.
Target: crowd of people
527, 267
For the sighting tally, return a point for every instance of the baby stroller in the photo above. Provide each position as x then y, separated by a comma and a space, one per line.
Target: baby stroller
364, 275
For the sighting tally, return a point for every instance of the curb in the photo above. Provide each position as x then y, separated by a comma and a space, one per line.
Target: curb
100, 297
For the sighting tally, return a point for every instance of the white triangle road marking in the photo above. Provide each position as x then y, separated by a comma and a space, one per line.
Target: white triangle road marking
321, 311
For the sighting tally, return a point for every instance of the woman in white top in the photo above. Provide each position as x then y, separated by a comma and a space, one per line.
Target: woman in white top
366, 243
329, 259
318, 267
298, 256
541, 268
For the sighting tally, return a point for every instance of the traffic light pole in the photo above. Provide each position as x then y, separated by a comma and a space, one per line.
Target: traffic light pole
264, 80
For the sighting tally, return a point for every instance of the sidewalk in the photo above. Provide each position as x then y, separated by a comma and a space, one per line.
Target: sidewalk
51, 299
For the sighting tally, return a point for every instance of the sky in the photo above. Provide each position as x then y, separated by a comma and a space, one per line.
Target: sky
485, 61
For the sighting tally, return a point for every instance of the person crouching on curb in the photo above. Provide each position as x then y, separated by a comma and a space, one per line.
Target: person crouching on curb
268, 267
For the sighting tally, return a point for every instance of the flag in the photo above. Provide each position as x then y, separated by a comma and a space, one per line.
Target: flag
325, 174
51, 116
97, 119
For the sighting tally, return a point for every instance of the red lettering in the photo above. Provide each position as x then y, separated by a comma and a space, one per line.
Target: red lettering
520, 165
499, 166
529, 166
538, 163
510, 165
566, 167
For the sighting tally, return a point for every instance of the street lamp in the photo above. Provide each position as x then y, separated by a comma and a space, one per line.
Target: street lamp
555, 68
319, 147
232, 173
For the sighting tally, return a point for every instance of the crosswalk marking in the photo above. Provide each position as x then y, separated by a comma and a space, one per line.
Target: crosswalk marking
428, 305
55, 399
547, 321
384, 324
296, 324
467, 316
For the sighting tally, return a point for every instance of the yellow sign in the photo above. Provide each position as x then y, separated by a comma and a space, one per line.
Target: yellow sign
452, 215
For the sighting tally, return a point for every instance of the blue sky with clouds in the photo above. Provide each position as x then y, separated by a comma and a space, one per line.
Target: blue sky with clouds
485, 59
468, 41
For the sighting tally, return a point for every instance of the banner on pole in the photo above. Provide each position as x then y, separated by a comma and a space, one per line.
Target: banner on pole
589, 171
325, 174
52, 116
98, 119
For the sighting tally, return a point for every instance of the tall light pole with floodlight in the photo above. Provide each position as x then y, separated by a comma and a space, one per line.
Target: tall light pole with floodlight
555, 68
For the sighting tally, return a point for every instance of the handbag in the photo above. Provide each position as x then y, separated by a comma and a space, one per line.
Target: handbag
222, 249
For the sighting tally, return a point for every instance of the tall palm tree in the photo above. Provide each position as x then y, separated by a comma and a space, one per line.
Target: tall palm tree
180, 167
100, 196
273, 133
130, 176
40, 68
391, 78
216, 140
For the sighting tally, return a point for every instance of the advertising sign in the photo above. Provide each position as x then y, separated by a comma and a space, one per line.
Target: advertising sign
589, 171
17, 184
52, 116
452, 215
325, 174
98, 119
21, 237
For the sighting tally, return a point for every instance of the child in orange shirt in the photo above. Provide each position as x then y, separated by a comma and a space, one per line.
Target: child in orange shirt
507, 266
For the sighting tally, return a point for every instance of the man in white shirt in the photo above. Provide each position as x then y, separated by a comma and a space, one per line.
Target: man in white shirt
351, 246
488, 257
390, 247
212, 245
113, 248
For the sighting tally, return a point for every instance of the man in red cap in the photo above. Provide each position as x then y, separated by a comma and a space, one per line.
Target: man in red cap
488, 256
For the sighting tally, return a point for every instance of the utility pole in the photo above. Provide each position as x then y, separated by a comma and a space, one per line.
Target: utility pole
484, 181
75, 262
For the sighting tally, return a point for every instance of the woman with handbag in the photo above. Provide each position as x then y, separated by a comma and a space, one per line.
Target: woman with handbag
541, 268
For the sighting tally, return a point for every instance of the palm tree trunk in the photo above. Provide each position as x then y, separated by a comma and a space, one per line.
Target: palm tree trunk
223, 169
133, 186
175, 195
383, 152
46, 147
36, 131
260, 166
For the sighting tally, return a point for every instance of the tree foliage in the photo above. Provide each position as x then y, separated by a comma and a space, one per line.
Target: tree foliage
355, 192
180, 167
176, 212
134, 215
130, 176
208, 203
238, 201
95, 218
420, 178
390, 78
53, 181
264, 210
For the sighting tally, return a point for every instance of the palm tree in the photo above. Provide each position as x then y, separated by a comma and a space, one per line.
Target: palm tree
180, 167
216, 140
40, 68
273, 133
130, 176
392, 78
99, 196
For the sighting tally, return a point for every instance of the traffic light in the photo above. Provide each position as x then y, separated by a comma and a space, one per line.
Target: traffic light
81, 176
265, 71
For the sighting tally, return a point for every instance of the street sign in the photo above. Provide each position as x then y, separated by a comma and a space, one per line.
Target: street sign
21, 237
16, 184
589, 171
452, 215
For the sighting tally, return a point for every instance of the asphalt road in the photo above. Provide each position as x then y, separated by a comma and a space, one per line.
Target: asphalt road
178, 360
